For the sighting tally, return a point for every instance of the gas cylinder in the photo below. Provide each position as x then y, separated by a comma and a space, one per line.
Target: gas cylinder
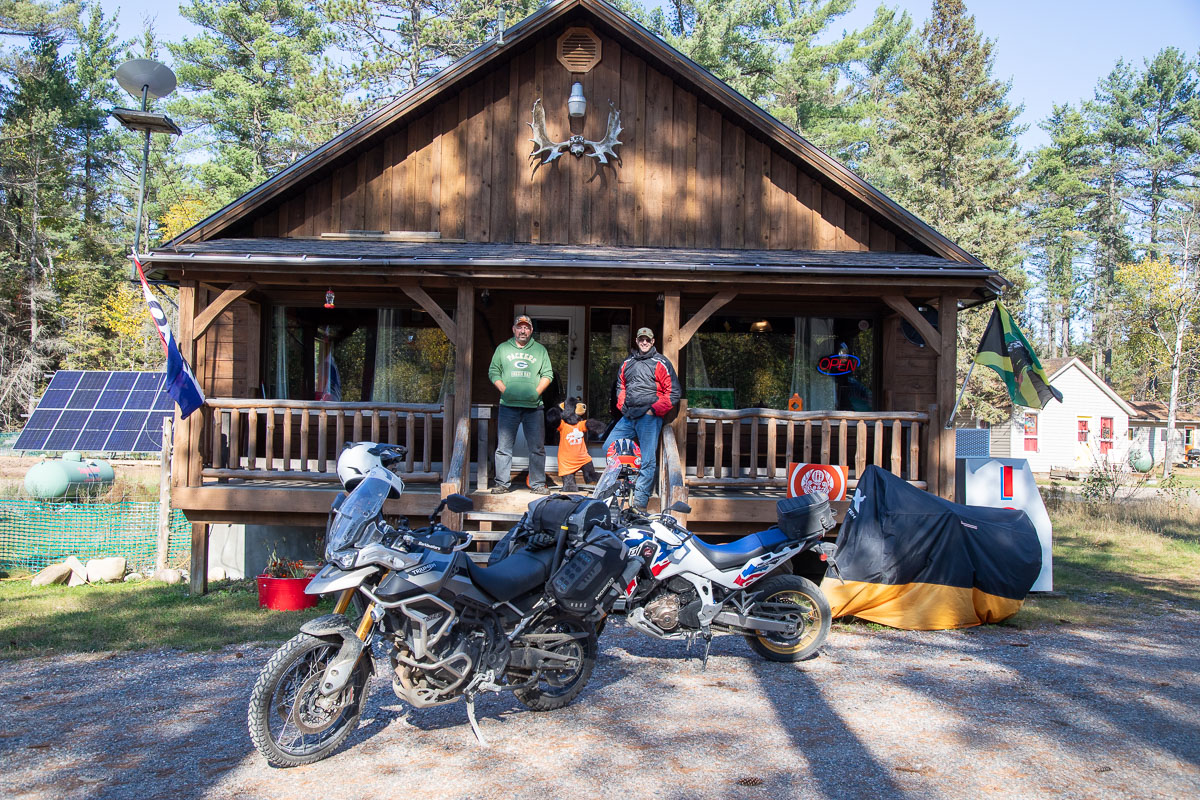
68, 477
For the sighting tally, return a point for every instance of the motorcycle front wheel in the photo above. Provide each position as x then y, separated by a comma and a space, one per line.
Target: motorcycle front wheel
290, 722
795, 599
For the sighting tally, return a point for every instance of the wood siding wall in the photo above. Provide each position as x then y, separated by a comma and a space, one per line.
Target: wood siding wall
688, 176
227, 356
909, 372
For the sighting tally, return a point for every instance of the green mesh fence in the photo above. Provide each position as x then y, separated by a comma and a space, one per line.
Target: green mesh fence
35, 534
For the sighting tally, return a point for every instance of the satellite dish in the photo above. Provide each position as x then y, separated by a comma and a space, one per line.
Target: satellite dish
142, 72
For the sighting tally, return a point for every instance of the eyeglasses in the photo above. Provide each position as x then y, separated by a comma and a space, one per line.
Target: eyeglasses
645, 339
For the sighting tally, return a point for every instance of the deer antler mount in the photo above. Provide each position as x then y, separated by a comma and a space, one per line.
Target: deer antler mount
548, 150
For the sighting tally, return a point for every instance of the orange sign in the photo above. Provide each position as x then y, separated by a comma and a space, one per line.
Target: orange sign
809, 478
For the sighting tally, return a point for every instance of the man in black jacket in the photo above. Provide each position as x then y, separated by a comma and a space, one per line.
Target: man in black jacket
647, 390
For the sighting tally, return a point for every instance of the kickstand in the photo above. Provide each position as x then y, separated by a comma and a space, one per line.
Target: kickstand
707, 647
474, 724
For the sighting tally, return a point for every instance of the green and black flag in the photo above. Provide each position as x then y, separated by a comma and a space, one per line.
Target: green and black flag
1005, 349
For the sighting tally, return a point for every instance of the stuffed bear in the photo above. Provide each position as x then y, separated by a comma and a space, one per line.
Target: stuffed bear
570, 419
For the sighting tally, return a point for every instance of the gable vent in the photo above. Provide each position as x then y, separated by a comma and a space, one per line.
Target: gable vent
579, 49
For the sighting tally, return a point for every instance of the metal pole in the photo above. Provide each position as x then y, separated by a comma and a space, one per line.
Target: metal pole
137, 234
954, 411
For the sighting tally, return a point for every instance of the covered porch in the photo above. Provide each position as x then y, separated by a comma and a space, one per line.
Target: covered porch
263, 451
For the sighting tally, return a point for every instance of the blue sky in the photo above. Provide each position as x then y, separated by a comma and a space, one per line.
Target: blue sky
1054, 51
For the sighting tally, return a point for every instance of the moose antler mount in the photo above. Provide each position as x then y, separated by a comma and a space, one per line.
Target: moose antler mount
576, 145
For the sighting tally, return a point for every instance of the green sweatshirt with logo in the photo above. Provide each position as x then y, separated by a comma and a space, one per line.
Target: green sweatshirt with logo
521, 369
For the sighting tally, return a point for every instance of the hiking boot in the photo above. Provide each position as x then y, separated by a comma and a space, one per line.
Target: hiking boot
501, 489
539, 490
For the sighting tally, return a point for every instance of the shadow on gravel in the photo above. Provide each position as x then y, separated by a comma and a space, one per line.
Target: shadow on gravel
1089, 697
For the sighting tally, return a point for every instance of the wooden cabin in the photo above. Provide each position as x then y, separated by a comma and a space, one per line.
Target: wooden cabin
360, 293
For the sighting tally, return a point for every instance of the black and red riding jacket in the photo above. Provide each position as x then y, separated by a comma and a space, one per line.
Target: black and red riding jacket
647, 381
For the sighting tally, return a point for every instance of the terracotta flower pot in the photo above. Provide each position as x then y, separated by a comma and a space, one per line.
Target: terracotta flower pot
284, 594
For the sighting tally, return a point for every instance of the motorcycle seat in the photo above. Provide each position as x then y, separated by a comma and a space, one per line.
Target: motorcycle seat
521, 572
737, 553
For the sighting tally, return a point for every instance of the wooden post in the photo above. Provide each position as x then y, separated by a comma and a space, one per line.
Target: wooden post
671, 344
464, 347
199, 571
164, 498
182, 456
947, 379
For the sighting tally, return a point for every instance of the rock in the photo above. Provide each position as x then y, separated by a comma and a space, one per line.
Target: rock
55, 573
218, 574
106, 569
171, 576
77, 579
134, 576
78, 568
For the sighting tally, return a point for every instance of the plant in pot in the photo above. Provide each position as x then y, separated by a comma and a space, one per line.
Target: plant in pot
281, 586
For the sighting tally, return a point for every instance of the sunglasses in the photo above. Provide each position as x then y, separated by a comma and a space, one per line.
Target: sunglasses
644, 339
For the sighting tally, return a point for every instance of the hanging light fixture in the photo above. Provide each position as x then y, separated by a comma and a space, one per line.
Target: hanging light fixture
329, 298
762, 326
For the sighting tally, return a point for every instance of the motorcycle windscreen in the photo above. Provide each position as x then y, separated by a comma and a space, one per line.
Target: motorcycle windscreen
355, 515
607, 485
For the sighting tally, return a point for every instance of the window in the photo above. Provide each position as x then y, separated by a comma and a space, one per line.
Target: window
1189, 438
1083, 430
358, 354
1106, 434
1031, 433
756, 361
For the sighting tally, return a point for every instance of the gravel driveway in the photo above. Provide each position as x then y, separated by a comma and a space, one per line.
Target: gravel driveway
1108, 713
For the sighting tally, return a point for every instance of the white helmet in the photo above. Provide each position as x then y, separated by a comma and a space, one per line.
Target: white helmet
356, 461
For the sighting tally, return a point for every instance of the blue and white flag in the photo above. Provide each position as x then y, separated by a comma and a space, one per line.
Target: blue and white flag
181, 383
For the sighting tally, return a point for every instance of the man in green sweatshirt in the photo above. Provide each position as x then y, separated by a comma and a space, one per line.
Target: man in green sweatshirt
521, 371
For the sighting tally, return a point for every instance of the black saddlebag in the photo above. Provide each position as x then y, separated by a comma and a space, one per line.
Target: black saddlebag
805, 517
588, 576
579, 515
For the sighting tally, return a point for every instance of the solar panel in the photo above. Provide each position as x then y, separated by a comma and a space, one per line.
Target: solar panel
116, 412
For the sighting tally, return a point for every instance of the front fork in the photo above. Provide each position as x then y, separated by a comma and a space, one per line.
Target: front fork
364, 624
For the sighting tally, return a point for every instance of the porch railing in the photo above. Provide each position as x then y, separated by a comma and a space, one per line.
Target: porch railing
301, 440
752, 447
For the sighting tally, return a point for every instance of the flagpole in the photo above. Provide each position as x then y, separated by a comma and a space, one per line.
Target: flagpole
954, 411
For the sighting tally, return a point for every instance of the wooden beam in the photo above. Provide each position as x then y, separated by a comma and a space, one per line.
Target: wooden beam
904, 307
198, 576
463, 364
443, 320
689, 330
947, 381
208, 316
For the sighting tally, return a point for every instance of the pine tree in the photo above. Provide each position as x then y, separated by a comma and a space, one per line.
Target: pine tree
259, 91
953, 159
403, 42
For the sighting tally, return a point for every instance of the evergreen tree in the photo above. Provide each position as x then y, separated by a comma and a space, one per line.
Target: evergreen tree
953, 159
402, 42
259, 91
1059, 244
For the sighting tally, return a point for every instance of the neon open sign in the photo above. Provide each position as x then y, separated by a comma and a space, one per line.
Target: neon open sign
839, 364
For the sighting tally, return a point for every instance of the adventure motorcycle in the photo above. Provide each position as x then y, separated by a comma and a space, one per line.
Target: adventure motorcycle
451, 629
687, 587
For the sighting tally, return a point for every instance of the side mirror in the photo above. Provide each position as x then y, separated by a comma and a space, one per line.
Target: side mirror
460, 503
337, 501
681, 507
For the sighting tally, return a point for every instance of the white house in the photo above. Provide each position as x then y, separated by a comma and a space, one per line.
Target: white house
1148, 430
1090, 426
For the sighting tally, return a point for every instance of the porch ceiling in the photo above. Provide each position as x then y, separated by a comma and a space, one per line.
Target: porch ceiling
259, 259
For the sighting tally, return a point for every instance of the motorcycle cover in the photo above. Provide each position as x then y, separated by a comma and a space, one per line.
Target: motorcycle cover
913, 560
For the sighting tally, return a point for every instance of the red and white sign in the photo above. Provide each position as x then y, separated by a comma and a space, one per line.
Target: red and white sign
809, 478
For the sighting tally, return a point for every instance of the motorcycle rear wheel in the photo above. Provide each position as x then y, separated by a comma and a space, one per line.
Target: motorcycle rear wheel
812, 613
290, 722
557, 688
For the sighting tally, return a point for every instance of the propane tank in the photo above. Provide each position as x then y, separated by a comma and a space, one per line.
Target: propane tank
68, 477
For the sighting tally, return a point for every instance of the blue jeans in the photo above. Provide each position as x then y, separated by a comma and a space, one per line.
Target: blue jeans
533, 423
646, 430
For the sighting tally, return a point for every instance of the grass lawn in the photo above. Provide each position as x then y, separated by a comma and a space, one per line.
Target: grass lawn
1123, 564
1119, 564
130, 616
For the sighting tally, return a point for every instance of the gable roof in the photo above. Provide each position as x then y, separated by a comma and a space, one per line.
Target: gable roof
655, 49
1156, 411
1068, 363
